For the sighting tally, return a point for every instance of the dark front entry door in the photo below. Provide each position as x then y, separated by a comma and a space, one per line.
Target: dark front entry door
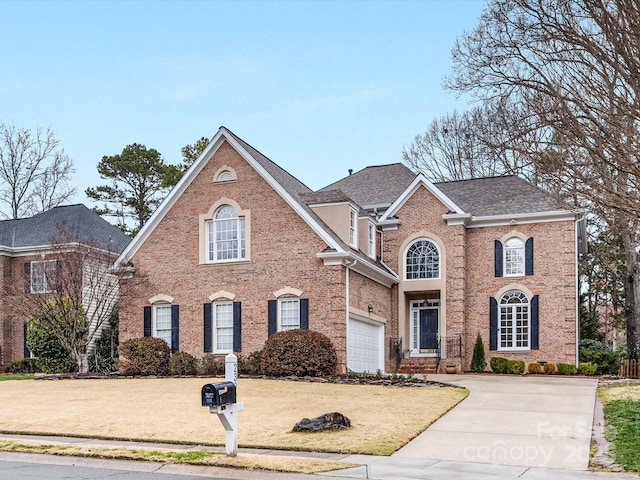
429, 329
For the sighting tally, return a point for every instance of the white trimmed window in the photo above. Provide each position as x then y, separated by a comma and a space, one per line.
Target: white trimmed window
514, 257
288, 314
223, 327
226, 236
514, 331
372, 240
353, 227
162, 322
422, 260
43, 276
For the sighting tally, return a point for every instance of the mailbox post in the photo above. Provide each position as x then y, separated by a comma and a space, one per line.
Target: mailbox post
221, 398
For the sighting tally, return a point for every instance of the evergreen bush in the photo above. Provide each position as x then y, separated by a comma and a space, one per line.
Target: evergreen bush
144, 356
298, 352
498, 364
566, 368
478, 361
515, 367
183, 363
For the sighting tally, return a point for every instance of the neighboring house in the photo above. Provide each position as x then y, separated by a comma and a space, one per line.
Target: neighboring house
31, 251
380, 261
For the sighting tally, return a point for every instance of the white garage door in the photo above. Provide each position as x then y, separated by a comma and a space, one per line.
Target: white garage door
365, 346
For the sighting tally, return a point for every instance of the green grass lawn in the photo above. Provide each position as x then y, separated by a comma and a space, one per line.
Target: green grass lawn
622, 416
15, 376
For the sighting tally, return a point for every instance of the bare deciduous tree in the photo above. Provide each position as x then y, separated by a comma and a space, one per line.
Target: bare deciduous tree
34, 171
78, 297
575, 64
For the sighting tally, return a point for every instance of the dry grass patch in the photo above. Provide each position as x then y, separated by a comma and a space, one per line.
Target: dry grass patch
194, 457
383, 418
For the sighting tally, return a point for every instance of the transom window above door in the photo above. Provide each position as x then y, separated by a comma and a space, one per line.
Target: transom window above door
422, 260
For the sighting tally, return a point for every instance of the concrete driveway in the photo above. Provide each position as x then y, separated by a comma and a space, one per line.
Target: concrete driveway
532, 421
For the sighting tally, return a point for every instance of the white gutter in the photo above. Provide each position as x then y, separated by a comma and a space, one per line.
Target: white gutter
348, 264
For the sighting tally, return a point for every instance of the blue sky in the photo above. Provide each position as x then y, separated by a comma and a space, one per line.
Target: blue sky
318, 87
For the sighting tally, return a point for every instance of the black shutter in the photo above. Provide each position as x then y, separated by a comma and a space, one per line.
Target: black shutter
498, 258
208, 327
528, 257
27, 277
147, 321
304, 313
237, 326
175, 328
27, 353
535, 337
493, 324
273, 317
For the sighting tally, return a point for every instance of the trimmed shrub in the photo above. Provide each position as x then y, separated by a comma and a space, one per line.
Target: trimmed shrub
51, 356
515, 367
534, 368
24, 365
144, 356
182, 363
549, 367
566, 368
587, 368
250, 365
212, 365
298, 352
498, 364
608, 361
478, 361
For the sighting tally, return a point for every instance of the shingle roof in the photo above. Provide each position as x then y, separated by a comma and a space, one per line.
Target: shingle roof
376, 185
500, 196
82, 224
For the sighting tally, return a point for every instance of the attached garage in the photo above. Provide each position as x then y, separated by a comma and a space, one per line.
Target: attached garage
365, 345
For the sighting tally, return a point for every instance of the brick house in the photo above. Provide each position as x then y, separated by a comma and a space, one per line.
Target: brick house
381, 261
31, 253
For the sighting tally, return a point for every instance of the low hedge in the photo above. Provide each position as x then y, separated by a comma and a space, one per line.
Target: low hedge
566, 368
144, 356
298, 352
587, 368
498, 364
515, 367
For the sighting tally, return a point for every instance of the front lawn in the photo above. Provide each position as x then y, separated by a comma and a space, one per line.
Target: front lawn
15, 376
383, 418
622, 416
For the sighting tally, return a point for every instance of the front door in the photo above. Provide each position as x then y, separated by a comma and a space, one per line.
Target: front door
428, 329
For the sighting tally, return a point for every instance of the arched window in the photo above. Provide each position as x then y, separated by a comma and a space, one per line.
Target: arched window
514, 324
423, 260
225, 176
514, 257
226, 235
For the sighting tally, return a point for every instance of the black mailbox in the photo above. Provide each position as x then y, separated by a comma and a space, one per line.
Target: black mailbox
217, 394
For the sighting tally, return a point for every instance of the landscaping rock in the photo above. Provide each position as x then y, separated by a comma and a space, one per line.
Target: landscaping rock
327, 421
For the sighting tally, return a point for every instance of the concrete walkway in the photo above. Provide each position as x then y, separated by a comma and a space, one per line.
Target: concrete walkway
529, 421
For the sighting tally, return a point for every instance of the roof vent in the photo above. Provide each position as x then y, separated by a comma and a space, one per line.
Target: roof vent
350, 171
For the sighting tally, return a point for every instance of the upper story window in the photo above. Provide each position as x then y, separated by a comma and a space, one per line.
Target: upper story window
372, 240
353, 227
43, 276
422, 260
514, 328
514, 257
226, 235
